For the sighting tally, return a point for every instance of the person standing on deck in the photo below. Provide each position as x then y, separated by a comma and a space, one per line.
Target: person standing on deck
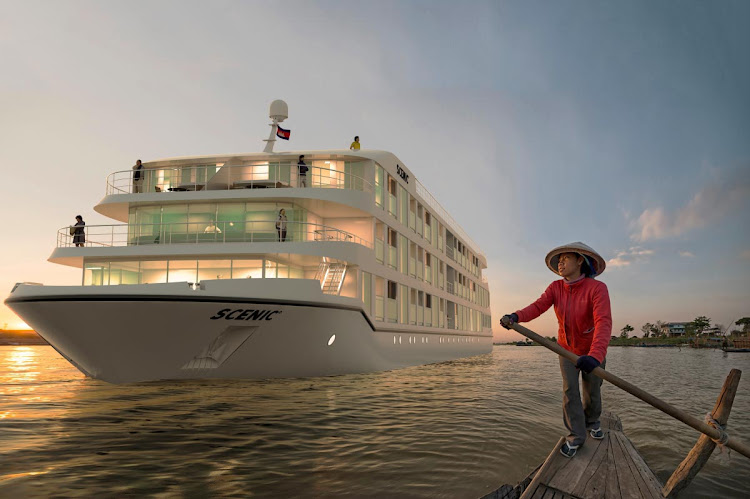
584, 327
78, 232
355, 144
302, 172
281, 225
137, 177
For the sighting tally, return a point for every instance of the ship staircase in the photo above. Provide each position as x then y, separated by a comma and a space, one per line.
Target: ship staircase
331, 276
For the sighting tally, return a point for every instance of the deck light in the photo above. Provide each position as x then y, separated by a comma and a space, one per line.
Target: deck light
331, 340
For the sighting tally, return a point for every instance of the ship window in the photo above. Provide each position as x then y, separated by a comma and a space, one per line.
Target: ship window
403, 316
153, 272
403, 209
214, 269
246, 269
392, 237
379, 184
367, 291
392, 290
379, 298
182, 271
174, 219
124, 273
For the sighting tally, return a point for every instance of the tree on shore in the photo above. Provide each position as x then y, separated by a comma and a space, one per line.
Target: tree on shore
624, 331
647, 328
745, 324
659, 328
699, 324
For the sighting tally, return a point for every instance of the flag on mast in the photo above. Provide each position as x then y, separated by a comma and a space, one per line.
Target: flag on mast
282, 134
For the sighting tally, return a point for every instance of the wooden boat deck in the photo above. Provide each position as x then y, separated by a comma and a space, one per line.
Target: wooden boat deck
607, 468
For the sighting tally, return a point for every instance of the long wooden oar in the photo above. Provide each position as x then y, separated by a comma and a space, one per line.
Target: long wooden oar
686, 418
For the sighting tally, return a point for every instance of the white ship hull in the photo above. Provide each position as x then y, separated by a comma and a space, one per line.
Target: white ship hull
226, 329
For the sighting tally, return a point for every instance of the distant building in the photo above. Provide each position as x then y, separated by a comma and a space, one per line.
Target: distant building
712, 331
674, 329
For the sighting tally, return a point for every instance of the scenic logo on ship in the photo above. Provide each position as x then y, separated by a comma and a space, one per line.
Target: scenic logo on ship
245, 315
402, 173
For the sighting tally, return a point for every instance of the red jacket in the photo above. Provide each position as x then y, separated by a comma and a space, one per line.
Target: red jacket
583, 315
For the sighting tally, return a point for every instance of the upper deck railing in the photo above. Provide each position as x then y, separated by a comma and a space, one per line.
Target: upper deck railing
203, 232
438, 208
225, 177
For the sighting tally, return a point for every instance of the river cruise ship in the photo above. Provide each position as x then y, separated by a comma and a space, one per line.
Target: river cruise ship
201, 277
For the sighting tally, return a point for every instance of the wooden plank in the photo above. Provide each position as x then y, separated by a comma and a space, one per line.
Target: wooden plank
612, 486
539, 491
628, 487
531, 489
652, 483
592, 483
645, 479
610, 421
567, 478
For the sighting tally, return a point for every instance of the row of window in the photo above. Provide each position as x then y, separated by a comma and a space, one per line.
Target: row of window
162, 271
391, 196
409, 258
386, 301
413, 340
389, 301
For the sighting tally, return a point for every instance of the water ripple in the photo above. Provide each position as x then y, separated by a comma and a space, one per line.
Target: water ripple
457, 429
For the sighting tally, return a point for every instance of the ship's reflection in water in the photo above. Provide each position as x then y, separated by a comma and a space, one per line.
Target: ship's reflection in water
457, 429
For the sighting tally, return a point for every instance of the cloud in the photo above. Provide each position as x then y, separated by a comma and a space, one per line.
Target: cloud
710, 203
686, 254
631, 255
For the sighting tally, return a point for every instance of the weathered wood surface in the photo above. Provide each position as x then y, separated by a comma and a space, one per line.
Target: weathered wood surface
703, 449
607, 468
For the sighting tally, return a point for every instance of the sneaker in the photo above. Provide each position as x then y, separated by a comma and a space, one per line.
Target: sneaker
568, 450
597, 433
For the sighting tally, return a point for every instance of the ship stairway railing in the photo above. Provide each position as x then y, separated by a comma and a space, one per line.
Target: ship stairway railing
331, 276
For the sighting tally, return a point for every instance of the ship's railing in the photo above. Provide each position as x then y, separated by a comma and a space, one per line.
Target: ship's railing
225, 177
453, 225
202, 232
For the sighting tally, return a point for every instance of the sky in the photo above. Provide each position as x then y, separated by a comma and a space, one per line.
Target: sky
625, 125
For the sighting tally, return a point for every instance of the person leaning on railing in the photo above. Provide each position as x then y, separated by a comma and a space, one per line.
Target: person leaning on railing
584, 327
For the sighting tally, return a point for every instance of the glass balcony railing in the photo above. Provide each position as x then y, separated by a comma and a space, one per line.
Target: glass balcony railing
379, 244
392, 310
202, 232
225, 177
379, 308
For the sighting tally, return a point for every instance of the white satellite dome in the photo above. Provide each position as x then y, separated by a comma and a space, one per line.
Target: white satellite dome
279, 111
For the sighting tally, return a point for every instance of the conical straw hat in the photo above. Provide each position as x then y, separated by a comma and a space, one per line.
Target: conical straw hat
578, 247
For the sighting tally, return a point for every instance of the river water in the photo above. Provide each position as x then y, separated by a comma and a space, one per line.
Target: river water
457, 429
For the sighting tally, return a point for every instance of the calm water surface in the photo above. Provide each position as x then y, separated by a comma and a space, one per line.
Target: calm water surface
457, 429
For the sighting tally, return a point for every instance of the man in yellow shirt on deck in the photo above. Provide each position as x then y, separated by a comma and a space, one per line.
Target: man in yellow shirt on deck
355, 144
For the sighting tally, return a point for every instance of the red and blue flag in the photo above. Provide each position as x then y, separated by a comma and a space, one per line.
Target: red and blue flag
282, 134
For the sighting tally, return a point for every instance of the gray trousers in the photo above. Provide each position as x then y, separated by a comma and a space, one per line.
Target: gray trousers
579, 415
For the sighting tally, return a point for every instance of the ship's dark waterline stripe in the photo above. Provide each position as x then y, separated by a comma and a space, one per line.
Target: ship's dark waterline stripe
207, 299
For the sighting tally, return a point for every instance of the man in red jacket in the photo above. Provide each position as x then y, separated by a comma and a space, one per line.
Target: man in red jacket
584, 327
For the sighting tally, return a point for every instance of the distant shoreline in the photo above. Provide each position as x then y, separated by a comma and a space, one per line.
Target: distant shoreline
20, 337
